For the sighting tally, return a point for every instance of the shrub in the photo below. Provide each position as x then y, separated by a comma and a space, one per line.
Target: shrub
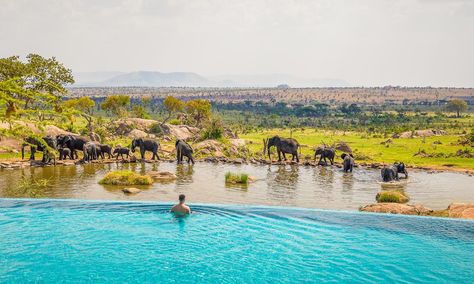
126, 178
392, 196
155, 128
236, 178
214, 130
175, 122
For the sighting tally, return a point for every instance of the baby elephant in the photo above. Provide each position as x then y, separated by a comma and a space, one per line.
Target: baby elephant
105, 149
121, 151
65, 153
348, 162
391, 173
183, 149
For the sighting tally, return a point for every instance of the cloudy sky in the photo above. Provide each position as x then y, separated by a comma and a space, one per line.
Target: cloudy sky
365, 42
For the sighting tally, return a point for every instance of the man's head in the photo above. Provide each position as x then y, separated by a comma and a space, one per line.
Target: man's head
182, 197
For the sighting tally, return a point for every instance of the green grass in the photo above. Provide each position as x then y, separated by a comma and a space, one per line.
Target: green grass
126, 178
368, 148
236, 178
392, 196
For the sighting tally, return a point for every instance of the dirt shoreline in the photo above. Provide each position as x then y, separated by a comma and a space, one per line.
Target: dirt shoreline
15, 163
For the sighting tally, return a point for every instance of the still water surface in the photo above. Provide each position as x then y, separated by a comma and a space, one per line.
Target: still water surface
312, 187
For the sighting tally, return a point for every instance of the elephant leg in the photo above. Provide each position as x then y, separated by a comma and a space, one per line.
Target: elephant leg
279, 156
332, 161
178, 154
33, 151
284, 155
142, 153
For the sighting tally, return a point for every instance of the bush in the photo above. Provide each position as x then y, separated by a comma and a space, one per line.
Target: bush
236, 178
214, 130
126, 178
175, 122
392, 196
155, 128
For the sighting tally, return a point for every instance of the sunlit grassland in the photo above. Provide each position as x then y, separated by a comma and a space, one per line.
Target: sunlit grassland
370, 149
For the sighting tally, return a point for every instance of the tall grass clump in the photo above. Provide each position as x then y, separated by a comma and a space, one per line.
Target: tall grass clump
236, 178
126, 178
391, 196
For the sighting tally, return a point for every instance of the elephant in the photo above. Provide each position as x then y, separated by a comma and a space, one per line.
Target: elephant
65, 153
183, 149
146, 145
121, 151
74, 143
391, 173
283, 145
328, 153
348, 162
39, 144
105, 149
90, 150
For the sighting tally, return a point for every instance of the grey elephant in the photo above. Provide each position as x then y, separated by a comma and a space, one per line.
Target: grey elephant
73, 142
105, 149
146, 145
121, 151
348, 162
325, 153
183, 149
391, 173
283, 145
65, 153
40, 144
90, 150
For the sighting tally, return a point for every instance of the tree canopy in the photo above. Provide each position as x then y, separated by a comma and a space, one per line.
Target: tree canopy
456, 106
116, 104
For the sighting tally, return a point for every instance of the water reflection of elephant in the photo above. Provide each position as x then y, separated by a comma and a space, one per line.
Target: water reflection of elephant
184, 173
282, 183
324, 176
287, 177
347, 182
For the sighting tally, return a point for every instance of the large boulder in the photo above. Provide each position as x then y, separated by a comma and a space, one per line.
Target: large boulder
183, 132
209, 147
420, 133
52, 130
397, 208
135, 133
461, 210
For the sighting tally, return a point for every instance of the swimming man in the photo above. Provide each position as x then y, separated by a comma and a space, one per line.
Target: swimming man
181, 208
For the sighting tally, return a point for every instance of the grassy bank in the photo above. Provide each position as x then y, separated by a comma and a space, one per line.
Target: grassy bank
434, 152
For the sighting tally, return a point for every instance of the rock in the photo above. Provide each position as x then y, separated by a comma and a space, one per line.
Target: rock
420, 133
210, 147
183, 132
237, 142
136, 133
396, 208
52, 130
461, 210
342, 146
237, 161
131, 190
162, 176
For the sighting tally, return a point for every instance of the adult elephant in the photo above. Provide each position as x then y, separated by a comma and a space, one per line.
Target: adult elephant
40, 144
325, 153
91, 150
183, 149
283, 146
391, 173
348, 162
73, 142
146, 145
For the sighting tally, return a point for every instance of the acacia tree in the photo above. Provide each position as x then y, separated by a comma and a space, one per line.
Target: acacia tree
457, 106
199, 110
172, 105
116, 104
36, 84
85, 107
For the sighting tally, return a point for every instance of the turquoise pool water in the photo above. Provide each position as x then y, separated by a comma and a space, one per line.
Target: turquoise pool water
83, 241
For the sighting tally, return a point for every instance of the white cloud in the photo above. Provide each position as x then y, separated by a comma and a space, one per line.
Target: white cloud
365, 42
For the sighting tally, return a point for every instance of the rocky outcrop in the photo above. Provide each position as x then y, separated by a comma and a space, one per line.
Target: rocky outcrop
397, 208
209, 147
51, 130
461, 210
131, 190
420, 133
162, 176
136, 133
183, 132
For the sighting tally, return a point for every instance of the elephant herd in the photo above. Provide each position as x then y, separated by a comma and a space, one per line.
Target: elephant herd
69, 145
291, 146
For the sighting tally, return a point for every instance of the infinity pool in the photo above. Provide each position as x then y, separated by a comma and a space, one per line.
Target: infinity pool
88, 241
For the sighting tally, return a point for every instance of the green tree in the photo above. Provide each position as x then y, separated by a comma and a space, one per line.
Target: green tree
85, 107
456, 106
172, 105
116, 104
199, 110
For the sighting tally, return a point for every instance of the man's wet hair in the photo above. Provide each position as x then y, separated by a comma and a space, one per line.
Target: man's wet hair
182, 197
